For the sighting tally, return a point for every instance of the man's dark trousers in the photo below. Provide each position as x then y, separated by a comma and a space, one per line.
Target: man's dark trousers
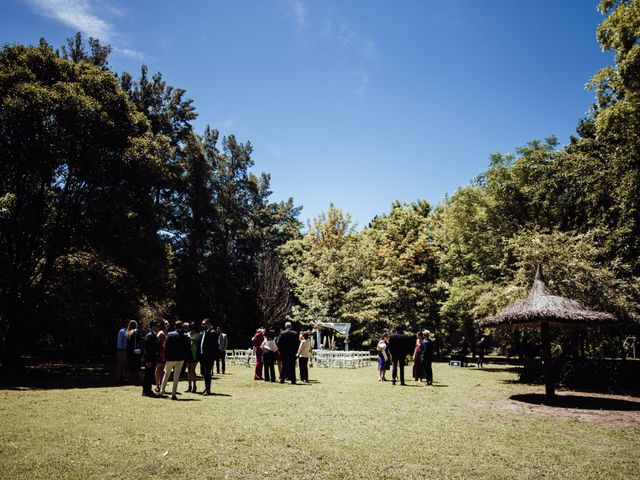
398, 361
219, 360
206, 366
149, 379
288, 359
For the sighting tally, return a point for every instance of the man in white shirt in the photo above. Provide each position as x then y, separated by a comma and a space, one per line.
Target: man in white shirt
223, 343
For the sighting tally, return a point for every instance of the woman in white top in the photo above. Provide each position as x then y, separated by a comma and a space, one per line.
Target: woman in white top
270, 348
304, 352
384, 359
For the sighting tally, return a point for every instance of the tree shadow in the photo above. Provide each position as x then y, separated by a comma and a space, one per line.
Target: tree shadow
60, 375
578, 401
500, 369
63, 374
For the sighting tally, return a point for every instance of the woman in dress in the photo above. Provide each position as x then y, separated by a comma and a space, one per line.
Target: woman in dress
194, 336
427, 356
418, 373
384, 359
162, 338
258, 340
134, 352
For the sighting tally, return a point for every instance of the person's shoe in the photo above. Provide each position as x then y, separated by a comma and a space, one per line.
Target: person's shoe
393, 382
403, 384
281, 381
205, 393
188, 390
173, 397
194, 390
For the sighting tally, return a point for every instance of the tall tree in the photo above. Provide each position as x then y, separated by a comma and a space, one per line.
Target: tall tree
78, 164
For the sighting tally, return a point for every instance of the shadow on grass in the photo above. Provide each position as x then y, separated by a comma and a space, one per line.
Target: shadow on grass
59, 376
578, 401
63, 374
500, 369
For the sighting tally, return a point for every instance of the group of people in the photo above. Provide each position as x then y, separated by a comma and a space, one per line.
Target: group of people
166, 352
394, 348
282, 350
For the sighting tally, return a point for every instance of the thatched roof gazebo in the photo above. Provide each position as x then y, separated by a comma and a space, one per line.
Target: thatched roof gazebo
543, 308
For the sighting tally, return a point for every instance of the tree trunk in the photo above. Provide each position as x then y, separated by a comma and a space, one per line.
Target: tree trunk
546, 361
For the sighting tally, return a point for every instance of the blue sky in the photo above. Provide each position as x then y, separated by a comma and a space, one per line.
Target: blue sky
353, 102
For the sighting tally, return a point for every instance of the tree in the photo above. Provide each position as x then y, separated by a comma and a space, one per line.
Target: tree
71, 144
273, 296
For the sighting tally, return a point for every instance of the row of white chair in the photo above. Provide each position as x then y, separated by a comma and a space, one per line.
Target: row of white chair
342, 359
321, 358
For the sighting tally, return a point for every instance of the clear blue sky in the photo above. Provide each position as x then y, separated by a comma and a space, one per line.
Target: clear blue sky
354, 102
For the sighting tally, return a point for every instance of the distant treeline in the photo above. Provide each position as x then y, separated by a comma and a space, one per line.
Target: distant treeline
112, 207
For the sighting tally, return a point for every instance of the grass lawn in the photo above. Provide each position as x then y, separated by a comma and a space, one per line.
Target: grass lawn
345, 424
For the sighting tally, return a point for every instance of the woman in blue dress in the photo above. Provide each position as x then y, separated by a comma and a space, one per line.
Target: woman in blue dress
384, 359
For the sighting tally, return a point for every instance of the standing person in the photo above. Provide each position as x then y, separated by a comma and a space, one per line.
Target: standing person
399, 349
270, 349
257, 340
288, 346
463, 350
150, 357
418, 374
177, 350
194, 336
223, 343
480, 346
279, 358
162, 338
208, 351
134, 352
427, 356
304, 353
384, 359
121, 353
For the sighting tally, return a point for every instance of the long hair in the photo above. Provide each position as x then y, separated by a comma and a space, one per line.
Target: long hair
133, 325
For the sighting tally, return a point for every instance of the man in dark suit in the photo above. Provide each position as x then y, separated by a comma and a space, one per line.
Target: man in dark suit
288, 345
150, 358
399, 347
208, 352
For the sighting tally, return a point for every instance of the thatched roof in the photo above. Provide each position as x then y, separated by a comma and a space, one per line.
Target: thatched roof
543, 306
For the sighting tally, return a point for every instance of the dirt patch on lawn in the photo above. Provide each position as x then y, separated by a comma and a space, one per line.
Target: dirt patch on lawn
576, 406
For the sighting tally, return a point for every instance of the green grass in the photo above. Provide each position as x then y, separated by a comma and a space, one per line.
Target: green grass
345, 425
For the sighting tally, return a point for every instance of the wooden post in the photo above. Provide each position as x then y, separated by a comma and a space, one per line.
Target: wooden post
546, 360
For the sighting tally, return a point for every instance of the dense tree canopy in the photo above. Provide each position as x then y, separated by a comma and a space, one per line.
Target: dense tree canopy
113, 207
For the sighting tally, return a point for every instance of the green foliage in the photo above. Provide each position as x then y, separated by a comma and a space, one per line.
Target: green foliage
375, 279
111, 207
72, 144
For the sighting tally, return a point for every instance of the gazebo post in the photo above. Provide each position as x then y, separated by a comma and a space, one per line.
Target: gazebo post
546, 360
